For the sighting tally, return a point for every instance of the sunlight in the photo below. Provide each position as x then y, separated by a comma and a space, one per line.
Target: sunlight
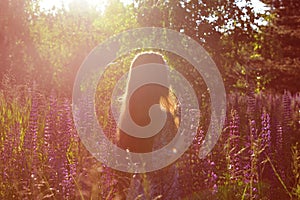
99, 4
49, 4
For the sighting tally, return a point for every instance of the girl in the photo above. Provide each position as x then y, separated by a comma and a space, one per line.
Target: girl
161, 184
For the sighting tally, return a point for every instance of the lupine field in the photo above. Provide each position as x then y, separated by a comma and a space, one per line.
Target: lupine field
257, 156
254, 44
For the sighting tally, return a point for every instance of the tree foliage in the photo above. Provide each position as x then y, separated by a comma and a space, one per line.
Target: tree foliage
51, 45
280, 48
228, 31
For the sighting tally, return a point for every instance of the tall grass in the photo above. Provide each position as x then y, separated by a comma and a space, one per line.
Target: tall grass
42, 157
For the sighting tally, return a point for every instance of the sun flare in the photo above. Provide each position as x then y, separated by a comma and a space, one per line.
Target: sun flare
49, 4
99, 4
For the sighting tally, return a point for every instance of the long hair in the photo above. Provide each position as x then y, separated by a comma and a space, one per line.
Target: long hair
140, 101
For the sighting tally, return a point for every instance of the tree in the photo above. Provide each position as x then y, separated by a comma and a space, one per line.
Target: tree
227, 31
280, 46
65, 36
16, 44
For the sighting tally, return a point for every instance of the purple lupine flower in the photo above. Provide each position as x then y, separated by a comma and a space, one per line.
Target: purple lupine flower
253, 130
246, 171
266, 132
279, 142
251, 103
279, 148
64, 133
234, 162
109, 180
31, 136
252, 174
215, 189
211, 176
49, 138
30, 142
287, 111
197, 165
69, 168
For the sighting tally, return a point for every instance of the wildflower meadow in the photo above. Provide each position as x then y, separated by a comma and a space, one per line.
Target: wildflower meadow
253, 43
